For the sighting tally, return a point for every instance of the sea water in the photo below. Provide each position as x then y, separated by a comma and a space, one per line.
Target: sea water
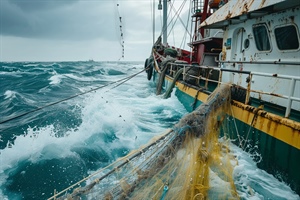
52, 147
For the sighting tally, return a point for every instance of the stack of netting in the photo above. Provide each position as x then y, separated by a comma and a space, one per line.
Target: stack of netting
177, 165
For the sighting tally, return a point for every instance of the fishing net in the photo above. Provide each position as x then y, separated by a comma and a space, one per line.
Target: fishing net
183, 163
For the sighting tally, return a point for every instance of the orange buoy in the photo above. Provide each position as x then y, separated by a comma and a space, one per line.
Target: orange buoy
214, 3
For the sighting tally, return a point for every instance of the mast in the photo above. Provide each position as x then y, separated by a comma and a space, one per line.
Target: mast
153, 25
165, 10
164, 7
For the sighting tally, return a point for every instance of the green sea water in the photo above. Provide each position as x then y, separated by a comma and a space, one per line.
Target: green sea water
55, 146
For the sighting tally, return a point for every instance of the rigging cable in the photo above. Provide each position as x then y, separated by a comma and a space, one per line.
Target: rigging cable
191, 37
163, 29
172, 30
183, 42
177, 13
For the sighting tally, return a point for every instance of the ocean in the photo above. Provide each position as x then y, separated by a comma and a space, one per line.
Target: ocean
61, 121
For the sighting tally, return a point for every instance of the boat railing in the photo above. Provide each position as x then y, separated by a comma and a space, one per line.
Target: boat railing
289, 97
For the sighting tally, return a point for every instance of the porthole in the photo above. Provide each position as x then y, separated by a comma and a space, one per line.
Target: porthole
246, 43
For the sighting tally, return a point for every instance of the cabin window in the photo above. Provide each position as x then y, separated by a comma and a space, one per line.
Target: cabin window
287, 37
261, 37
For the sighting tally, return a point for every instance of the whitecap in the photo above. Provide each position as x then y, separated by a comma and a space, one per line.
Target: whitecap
56, 79
9, 94
254, 183
77, 78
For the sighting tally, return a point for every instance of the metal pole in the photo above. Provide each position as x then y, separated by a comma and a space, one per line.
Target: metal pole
289, 105
165, 10
153, 21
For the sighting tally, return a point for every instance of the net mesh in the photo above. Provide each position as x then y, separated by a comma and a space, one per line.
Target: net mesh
186, 162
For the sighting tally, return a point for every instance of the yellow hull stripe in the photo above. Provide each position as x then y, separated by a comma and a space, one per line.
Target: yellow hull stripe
190, 91
283, 129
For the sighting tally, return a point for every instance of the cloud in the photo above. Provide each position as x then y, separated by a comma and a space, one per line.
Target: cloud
40, 5
76, 29
64, 20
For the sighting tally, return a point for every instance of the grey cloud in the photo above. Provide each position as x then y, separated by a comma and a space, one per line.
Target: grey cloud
38, 5
64, 20
11, 17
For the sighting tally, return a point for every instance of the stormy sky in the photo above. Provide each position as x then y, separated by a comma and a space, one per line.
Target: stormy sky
73, 30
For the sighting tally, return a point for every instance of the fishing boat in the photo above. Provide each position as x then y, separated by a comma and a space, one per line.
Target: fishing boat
240, 82
253, 46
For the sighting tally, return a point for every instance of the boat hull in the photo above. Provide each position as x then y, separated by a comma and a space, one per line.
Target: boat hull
272, 140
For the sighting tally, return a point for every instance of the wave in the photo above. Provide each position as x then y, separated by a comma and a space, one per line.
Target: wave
81, 78
112, 122
70, 140
254, 183
9, 94
56, 79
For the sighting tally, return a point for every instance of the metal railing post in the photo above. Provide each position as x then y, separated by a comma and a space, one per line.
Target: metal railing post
184, 73
289, 103
220, 78
248, 89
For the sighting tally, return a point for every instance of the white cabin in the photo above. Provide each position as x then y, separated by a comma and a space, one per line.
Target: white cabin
262, 37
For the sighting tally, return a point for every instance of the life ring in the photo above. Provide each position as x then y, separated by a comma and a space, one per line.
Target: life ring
146, 64
149, 68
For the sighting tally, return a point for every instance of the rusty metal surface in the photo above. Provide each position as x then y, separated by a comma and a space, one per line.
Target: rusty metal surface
270, 116
283, 129
235, 8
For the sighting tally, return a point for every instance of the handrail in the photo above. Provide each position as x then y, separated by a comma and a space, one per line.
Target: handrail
260, 62
276, 75
290, 98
